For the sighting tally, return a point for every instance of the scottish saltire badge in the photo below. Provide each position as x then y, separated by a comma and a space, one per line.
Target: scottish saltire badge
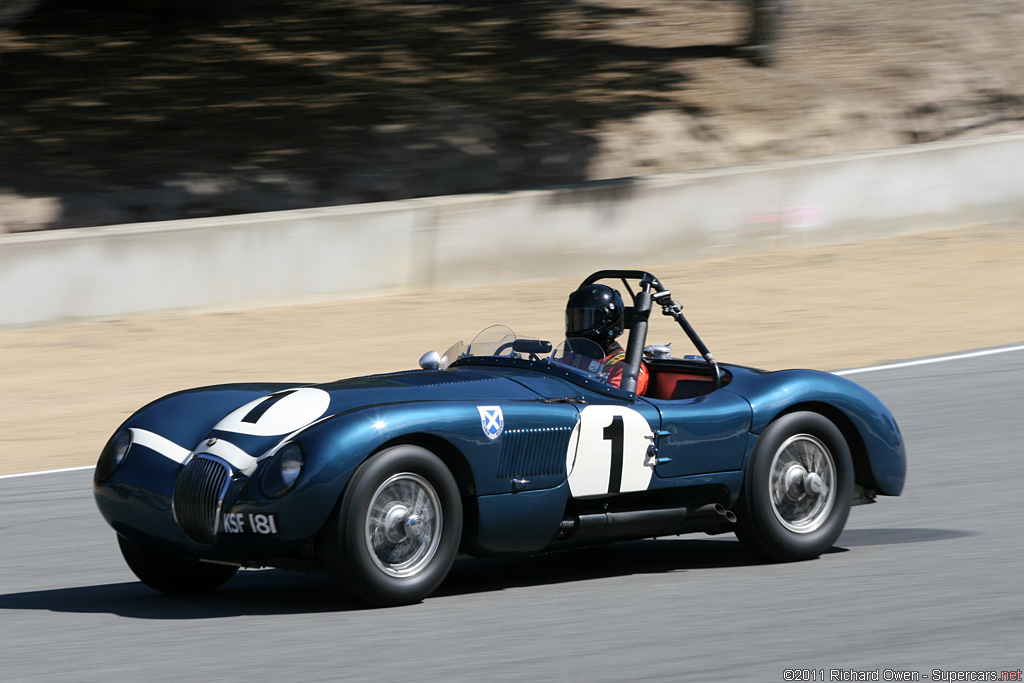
491, 421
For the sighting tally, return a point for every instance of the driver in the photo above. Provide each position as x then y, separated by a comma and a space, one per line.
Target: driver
596, 312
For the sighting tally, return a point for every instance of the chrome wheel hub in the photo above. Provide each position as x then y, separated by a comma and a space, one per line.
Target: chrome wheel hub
394, 522
414, 526
403, 527
801, 485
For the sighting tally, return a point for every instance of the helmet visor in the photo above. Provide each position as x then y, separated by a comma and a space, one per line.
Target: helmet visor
579, 321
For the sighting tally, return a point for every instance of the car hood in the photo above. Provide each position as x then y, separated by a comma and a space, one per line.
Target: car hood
258, 425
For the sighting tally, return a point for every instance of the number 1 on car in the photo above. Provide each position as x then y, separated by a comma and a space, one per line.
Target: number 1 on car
610, 453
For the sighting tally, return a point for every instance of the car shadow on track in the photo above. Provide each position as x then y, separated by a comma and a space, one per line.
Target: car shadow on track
659, 556
273, 592
646, 557
866, 537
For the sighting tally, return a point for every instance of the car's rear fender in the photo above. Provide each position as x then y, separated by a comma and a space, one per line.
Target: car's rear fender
871, 430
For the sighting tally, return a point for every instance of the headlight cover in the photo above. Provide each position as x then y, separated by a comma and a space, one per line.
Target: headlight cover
283, 470
113, 455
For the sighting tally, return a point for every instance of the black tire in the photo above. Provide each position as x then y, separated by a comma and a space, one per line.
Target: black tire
394, 535
780, 515
171, 574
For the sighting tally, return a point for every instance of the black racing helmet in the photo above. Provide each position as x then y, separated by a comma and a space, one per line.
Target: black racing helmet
594, 312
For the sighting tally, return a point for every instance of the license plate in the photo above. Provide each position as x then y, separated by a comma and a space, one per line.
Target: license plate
250, 523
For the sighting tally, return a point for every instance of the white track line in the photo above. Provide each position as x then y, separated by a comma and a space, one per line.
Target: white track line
855, 371
927, 361
32, 474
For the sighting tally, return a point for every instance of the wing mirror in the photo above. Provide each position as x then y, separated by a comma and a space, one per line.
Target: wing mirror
431, 360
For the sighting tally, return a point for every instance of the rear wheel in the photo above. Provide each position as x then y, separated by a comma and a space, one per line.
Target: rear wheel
394, 536
797, 489
171, 574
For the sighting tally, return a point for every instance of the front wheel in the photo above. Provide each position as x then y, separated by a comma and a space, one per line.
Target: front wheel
797, 489
394, 536
172, 574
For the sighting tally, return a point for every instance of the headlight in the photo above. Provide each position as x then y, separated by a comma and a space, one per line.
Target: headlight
280, 475
113, 455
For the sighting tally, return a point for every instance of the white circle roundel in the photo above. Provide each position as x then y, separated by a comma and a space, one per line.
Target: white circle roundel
281, 412
611, 454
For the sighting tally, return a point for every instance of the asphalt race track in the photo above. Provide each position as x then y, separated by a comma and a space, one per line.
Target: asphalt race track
930, 580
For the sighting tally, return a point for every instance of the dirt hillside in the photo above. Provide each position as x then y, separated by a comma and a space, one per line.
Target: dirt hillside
110, 115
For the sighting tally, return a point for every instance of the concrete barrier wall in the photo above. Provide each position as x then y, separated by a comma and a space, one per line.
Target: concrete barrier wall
508, 237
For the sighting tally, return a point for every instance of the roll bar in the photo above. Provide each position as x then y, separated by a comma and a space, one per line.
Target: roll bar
651, 291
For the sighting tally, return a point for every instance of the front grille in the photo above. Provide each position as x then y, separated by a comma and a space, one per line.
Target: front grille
198, 496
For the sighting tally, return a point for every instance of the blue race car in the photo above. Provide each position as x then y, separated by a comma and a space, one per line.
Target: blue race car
507, 446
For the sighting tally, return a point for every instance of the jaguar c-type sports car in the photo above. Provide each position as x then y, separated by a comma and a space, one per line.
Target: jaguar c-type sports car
506, 446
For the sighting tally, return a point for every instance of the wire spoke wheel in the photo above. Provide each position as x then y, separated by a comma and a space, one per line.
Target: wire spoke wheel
797, 490
403, 524
802, 483
396, 529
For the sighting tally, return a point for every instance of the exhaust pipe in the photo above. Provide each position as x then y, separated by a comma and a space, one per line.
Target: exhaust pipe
728, 519
605, 526
728, 516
